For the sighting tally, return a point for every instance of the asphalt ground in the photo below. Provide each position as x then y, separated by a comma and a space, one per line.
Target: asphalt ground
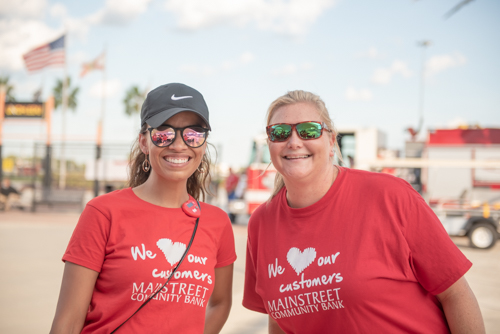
31, 246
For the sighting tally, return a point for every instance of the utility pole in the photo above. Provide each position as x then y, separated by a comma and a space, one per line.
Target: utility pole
423, 44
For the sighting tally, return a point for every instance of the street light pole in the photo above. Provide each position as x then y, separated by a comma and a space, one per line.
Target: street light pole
423, 44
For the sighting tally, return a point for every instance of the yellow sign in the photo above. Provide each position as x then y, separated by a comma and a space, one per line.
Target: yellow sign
20, 109
8, 165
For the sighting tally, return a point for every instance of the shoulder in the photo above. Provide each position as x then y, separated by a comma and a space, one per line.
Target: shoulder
214, 216
115, 199
212, 210
375, 181
111, 197
264, 212
215, 222
379, 189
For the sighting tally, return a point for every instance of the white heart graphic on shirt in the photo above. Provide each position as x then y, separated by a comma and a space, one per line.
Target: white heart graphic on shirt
173, 251
300, 260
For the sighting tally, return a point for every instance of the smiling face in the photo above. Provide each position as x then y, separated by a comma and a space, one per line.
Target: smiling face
177, 162
296, 159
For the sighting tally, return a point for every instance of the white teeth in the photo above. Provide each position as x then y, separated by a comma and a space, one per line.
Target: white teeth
177, 160
297, 157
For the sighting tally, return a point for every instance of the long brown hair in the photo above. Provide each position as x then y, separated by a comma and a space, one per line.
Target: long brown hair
298, 96
197, 183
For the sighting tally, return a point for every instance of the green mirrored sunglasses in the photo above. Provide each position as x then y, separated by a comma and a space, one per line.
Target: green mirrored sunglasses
305, 130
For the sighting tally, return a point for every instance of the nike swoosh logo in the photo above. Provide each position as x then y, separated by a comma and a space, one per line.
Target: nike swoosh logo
175, 98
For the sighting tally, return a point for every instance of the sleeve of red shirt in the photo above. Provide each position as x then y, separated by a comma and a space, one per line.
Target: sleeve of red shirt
226, 254
87, 245
435, 260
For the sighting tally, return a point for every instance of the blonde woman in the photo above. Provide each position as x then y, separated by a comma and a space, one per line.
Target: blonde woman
338, 250
128, 244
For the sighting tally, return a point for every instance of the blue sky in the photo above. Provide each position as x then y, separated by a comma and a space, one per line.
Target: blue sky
360, 56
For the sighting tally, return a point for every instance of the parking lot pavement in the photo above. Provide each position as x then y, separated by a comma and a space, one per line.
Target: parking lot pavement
484, 279
31, 246
242, 320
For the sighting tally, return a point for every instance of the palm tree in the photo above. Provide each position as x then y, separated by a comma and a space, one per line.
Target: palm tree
72, 93
133, 100
71, 103
9, 89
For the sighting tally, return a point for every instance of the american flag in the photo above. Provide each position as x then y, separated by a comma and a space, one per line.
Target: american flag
50, 54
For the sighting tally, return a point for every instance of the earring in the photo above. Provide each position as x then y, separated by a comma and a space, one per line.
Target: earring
146, 165
201, 168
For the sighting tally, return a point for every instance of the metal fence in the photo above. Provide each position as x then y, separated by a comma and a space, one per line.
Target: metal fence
64, 174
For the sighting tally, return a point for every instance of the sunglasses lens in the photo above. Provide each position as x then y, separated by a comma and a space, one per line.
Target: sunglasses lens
309, 130
195, 136
280, 132
163, 136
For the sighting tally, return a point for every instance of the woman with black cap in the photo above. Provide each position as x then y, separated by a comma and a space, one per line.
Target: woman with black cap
153, 243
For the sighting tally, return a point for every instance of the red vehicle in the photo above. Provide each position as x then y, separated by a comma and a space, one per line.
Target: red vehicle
258, 179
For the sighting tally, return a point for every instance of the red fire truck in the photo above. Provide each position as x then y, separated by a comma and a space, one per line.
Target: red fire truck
257, 180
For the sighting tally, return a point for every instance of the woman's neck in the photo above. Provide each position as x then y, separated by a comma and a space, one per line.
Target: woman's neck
303, 193
159, 192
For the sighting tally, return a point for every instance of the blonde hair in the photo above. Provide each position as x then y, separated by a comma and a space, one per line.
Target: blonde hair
196, 183
298, 96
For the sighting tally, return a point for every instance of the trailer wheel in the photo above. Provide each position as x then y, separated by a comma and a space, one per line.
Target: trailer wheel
482, 235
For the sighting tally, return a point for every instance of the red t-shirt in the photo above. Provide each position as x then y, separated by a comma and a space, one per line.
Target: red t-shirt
134, 245
369, 257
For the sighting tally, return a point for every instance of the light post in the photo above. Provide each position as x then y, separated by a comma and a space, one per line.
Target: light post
423, 44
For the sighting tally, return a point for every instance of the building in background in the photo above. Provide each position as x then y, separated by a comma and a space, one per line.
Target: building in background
471, 150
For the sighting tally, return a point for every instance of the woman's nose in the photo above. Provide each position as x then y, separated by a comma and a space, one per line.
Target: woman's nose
178, 143
294, 141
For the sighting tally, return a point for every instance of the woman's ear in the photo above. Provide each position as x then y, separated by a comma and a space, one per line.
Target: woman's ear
332, 140
143, 143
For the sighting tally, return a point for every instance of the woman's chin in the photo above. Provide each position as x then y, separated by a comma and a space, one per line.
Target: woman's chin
296, 175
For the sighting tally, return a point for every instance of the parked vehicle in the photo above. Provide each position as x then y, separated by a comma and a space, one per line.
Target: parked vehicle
480, 222
258, 180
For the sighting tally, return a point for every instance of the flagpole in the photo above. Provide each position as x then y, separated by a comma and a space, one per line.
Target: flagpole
3, 90
62, 161
100, 129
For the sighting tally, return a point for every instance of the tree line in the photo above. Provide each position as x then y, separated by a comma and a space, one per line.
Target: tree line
132, 101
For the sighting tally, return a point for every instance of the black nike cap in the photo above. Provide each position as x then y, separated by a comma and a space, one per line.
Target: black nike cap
167, 100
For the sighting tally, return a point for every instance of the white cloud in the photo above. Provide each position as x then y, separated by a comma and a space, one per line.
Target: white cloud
112, 87
372, 53
78, 57
119, 12
352, 94
22, 27
288, 17
291, 68
78, 27
440, 63
24, 9
22, 30
246, 58
383, 76
18, 36
227, 65
58, 10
